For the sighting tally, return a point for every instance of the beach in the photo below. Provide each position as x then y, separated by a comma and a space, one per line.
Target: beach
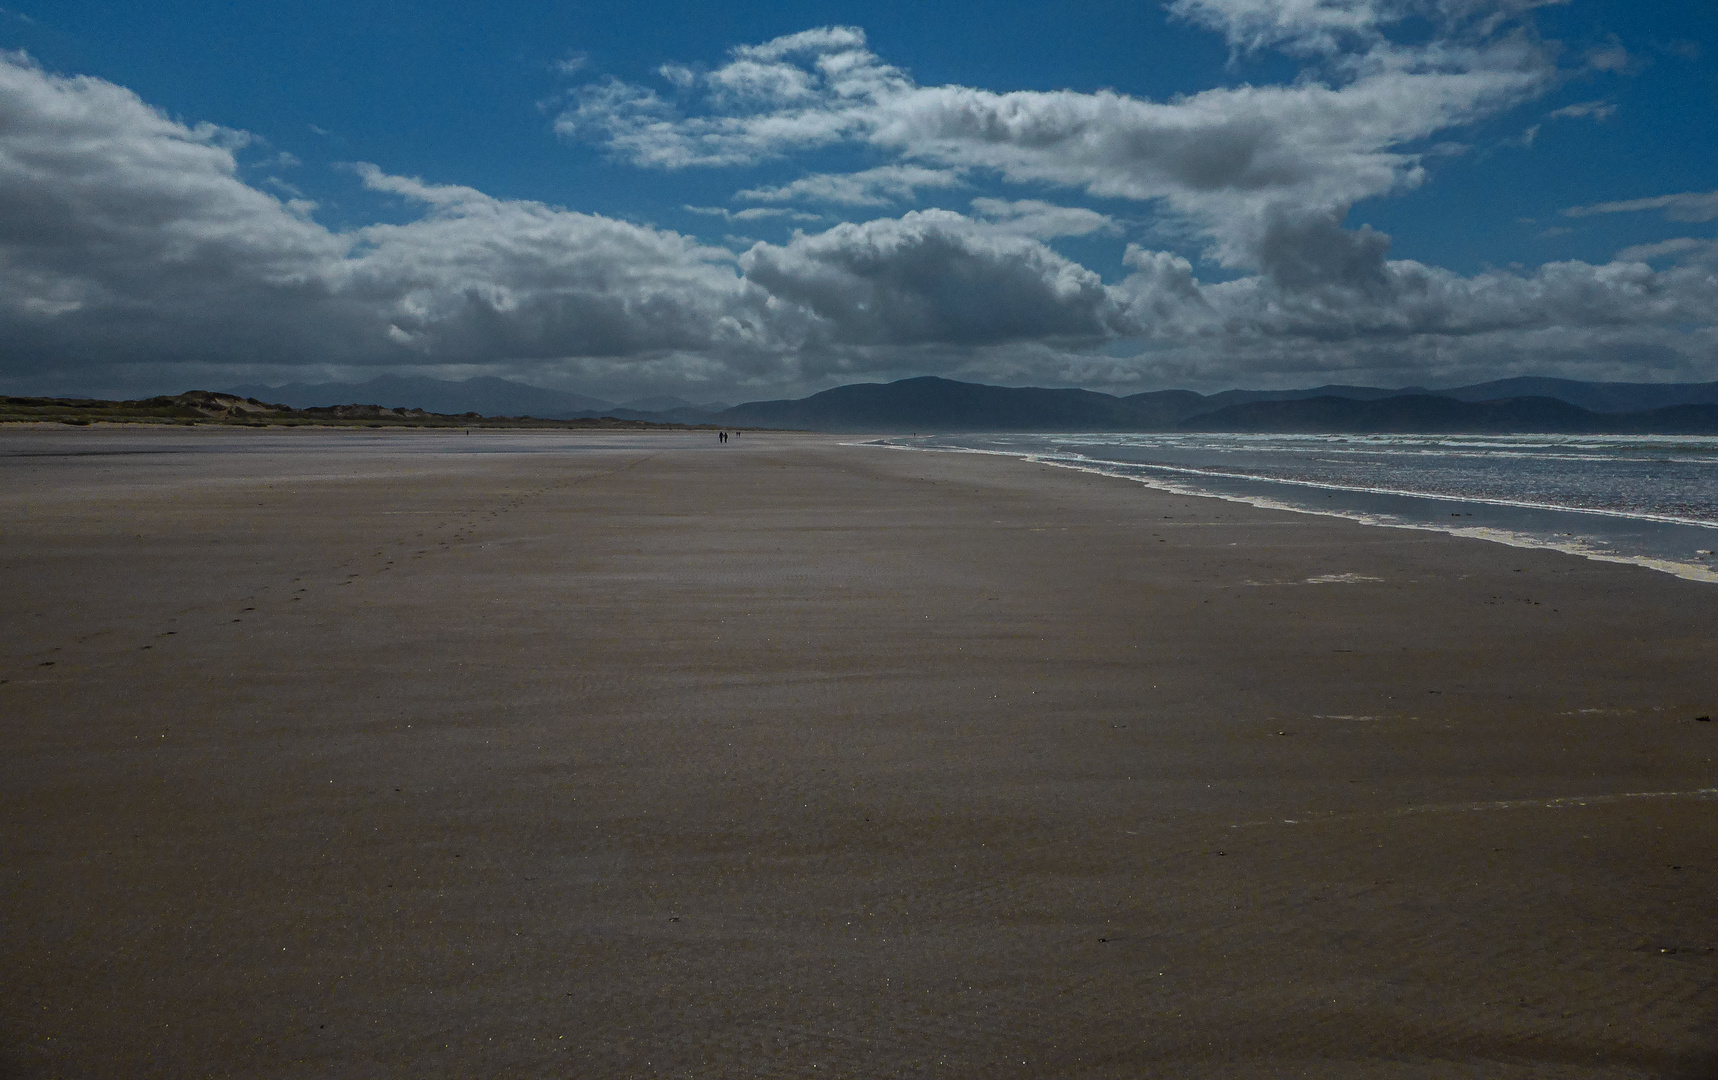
634, 755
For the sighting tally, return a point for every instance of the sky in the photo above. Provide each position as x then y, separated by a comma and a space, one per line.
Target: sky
733, 202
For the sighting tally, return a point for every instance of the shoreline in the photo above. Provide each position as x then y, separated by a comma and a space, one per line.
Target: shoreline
1688, 571
642, 756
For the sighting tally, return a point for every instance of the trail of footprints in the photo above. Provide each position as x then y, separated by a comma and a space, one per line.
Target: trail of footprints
378, 560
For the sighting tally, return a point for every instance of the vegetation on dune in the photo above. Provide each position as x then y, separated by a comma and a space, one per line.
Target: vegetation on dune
198, 407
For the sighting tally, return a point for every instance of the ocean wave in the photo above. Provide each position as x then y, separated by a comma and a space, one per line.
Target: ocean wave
1186, 481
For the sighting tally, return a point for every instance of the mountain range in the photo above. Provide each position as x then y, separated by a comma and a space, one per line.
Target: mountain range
929, 403
1511, 405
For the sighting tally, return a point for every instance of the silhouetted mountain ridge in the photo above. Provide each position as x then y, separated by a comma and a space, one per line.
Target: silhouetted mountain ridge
1604, 397
929, 404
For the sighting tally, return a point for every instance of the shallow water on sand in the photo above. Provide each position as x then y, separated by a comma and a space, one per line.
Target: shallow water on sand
1651, 500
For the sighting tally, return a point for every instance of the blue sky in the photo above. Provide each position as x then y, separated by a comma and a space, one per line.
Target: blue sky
765, 200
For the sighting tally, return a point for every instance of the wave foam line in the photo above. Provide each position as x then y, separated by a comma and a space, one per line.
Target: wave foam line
1080, 463
1514, 504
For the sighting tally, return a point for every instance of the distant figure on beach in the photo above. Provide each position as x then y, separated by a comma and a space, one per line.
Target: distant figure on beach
721, 436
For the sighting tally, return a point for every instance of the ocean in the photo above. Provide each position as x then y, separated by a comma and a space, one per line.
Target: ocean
1651, 500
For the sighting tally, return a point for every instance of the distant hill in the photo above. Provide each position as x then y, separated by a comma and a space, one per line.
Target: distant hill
1671, 420
1604, 397
676, 414
1354, 393
931, 404
486, 395
1162, 408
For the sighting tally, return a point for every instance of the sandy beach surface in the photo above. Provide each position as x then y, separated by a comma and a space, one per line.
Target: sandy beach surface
548, 755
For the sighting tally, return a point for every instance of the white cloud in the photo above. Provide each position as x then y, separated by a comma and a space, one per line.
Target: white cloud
282, 160
1390, 299
1310, 26
126, 236
934, 276
128, 239
1218, 159
1681, 245
1046, 221
1613, 58
821, 41
870, 187
755, 213
1686, 206
1597, 110
283, 187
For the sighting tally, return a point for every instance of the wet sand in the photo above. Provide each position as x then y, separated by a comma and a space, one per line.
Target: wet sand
416, 754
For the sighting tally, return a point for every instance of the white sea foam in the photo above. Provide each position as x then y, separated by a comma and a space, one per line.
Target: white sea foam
1591, 540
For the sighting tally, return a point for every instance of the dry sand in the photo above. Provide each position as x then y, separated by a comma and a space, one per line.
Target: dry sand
396, 754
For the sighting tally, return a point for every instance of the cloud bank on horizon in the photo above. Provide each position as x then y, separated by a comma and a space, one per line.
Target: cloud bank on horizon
134, 248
